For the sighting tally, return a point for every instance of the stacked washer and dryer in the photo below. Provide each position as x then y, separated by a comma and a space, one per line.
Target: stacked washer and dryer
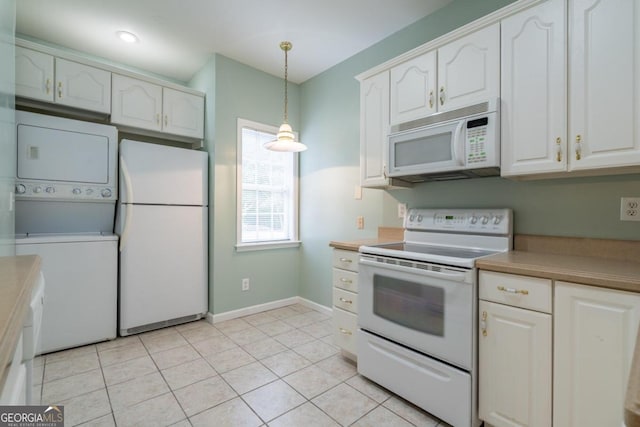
66, 192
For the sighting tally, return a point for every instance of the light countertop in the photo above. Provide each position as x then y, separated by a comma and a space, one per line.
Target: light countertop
18, 274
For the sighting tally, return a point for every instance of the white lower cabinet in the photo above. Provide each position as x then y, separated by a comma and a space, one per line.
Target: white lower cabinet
345, 299
579, 377
594, 339
515, 351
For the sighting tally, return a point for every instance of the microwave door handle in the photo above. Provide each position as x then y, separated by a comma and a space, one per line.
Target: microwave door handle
458, 143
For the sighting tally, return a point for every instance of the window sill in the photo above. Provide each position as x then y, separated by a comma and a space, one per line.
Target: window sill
261, 246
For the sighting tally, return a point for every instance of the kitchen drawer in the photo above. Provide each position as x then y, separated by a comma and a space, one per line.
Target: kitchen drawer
345, 325
345, 300
347, 260
532, 293
344, 279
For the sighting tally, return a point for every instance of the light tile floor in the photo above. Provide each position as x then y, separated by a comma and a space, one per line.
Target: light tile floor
276, 368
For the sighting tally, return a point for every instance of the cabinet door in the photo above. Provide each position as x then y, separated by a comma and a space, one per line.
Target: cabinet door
413, 89
594, 338
81, 86
604, 83
374, 129
183, 113
34, 74
136, 103
514, 366
534, 101
469, 69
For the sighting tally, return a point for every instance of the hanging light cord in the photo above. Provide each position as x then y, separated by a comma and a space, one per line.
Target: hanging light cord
286, 46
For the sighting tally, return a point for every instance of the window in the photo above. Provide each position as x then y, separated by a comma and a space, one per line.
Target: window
267, 191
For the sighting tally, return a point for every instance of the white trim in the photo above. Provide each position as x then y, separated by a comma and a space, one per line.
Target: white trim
261, 246
241, 312
467, 29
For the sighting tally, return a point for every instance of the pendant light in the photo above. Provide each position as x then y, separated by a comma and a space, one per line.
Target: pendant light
286, 139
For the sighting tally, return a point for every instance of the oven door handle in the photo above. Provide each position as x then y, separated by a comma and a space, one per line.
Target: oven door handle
455, 276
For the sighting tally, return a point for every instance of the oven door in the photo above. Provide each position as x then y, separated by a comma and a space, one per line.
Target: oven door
428, 308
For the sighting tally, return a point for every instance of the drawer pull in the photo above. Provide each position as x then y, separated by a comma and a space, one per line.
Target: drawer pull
345, 260
344, 331
346, 301
513, 291
343, 280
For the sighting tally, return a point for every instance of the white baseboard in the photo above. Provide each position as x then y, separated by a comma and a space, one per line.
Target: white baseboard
234, 314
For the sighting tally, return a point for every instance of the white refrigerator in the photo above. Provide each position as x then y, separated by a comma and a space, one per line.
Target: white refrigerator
162, 222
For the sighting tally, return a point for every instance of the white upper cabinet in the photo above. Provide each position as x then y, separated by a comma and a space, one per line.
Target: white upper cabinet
413, 89
534, 100
604, 83
42, 77
34, 74
136, 103
183, 113
469, 69
578, 114
82, 86
145, 105
461, 73
374, 128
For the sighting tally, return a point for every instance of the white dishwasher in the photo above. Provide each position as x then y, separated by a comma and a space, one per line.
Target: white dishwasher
81, 287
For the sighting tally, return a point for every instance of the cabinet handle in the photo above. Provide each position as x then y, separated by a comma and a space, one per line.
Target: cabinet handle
166, 120
441, 95
343, 280
59, 89
483, 324
345, 260
431, 99
384, 171
158, 118
344, 331
578, 147
346, 301
48, 86
559, 148
513, 291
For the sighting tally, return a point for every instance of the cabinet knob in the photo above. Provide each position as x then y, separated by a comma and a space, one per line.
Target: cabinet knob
441, 95
431, 99
47, 86
483, 324
559, 149
158, 118
59, 89
578, 147
166, 119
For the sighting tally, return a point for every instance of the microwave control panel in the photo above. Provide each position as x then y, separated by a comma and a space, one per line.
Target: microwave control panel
476, 140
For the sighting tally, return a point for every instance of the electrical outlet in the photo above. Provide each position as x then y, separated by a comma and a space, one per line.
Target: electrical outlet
630, 209
402, 210
360, 222
245, 284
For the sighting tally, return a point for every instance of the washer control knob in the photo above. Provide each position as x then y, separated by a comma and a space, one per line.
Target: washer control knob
485, 219
50, 190
497, 219
21, 189
88, 191
37, 189
473, 219
412, 217
106, 192
76, 191
419, 218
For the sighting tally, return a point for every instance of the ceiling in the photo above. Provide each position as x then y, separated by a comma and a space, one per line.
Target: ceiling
177, 37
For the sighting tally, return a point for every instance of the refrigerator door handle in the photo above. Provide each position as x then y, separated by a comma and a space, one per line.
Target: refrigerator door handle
128, 212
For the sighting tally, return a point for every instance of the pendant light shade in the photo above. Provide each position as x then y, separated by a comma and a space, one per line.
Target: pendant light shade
286, 139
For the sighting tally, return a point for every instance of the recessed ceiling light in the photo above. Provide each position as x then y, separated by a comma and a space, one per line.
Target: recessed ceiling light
128, 37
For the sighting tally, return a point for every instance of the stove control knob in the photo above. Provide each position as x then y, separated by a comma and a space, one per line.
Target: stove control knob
412, 217
106, 192
419, 218
473, 219
21, 189
50, 190
88, 191
76, 191
497, 219
37, 189
485, 219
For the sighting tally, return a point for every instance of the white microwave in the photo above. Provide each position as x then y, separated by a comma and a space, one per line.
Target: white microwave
463, 143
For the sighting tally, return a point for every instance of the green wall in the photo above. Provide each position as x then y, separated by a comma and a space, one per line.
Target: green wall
240, 91
330, 168
7, 126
